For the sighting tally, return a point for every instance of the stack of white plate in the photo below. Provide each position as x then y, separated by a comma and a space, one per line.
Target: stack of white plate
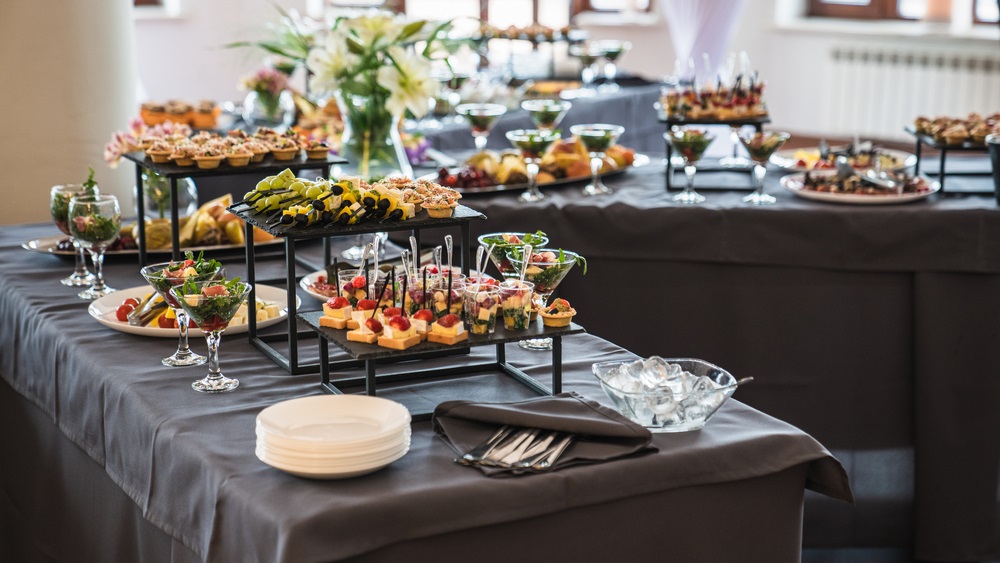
333, 436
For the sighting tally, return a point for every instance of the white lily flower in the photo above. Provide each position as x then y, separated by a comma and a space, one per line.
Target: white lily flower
329, 62
376, 27
410, 85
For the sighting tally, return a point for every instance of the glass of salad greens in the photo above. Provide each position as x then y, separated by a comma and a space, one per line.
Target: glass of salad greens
166, 275
503, 243
597, 138
691, 144
94, 221
532, 143
761, 146
212, 305
481, 118
546, 268
547, 114
59, 208
612, 49
589, 54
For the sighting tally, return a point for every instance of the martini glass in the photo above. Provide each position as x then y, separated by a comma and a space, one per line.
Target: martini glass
481, 118
761, 146
94, 221
735, 161
597, 138
59, 208
503, 243
547, 114
532, 143
588, 55
690, 143
212, 305
612, 49
166, 275
546, 269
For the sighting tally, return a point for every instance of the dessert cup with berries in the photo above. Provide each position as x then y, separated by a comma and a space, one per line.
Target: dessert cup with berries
515, 303
481, 305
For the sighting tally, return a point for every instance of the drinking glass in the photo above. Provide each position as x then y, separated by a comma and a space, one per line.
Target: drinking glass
164, 276
515, 302
357, 248
691, 144
59, 208
481, 119
94, 221
547, 267
588, 55
481, 305
612, 50
761, 146
597, 138
546, 114
212, 305
532, 143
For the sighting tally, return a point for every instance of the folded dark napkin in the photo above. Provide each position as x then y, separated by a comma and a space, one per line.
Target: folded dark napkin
602, 434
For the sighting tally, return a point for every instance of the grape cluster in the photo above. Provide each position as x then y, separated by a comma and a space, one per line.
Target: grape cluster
466, 177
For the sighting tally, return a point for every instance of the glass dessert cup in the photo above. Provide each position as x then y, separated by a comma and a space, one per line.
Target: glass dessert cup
532, 143
515, 303
501, 249
481, 118
546, 114
155, 276
612, 50
94, 221
482, 302
691, 144
761, 146
59, 208
735, 161
446, 295
212, 310
588, 55
546, 275
357, 250
597, 138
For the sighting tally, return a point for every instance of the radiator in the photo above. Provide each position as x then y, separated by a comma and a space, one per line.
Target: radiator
875, 92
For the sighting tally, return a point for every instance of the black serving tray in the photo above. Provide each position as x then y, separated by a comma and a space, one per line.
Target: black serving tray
267, 166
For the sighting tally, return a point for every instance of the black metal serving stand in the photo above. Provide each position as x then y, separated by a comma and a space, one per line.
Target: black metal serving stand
461, 218
370, 354
756, 122
174, 172
968, 146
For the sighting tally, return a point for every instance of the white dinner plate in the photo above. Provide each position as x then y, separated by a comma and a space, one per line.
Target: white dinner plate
325, 473
318, 462
342, 420
104, 311
794, 183
310, 279
47, 245
785, 158
285, 446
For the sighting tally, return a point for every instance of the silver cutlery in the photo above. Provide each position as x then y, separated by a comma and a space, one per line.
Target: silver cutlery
519, 452
554, 456
486, 447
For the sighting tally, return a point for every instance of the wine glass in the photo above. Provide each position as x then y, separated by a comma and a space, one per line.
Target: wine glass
94, 221
547, 114
212, 304
546, 269
690, 143
737, 160
532, 143
481, 118
166, 275
761, 146
503, 243
588, 55
59, 208
612, 49
597, 138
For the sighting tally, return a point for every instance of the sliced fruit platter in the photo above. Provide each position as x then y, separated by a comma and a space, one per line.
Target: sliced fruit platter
861, 158
566, 161
154, 318
828, 185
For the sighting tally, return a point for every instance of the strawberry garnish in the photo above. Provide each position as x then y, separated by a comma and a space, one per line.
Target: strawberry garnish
391, 312
358, 282
366, 304
399, 322
337, 302
373, 325
424, 315
449, 320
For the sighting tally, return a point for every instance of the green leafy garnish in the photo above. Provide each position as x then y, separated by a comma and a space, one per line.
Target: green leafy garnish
90, 186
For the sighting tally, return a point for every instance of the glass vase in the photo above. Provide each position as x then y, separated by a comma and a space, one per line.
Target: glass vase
371, 141
156, 196
262, 109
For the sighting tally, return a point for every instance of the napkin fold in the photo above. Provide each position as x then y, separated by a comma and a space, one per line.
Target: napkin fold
602, 434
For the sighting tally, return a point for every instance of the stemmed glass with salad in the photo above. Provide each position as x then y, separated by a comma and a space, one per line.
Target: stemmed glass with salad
212, 305
546, 114
691, 144
503, 243
94, 221
532, 143
761, 146
59, 209
597, 138
481, 118
546, 268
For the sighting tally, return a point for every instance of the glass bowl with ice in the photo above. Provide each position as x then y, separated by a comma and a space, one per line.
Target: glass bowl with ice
666, 395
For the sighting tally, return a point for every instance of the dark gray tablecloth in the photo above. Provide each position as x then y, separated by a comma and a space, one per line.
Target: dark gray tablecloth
187, 461
874, 328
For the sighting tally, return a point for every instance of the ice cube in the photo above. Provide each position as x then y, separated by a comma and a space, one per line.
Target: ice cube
656, 367
674, 370
702, 385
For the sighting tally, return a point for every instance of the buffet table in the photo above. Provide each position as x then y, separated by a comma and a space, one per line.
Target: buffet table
110, 456
873, 328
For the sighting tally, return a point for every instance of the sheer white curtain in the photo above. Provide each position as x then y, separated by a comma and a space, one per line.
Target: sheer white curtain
700, 27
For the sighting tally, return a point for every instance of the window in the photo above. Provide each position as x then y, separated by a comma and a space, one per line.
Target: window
986, 11
983, 11
520, 13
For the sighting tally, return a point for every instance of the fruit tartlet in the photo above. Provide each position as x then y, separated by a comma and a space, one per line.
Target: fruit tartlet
559, 313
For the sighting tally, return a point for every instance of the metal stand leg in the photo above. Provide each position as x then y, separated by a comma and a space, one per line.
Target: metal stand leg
370, 377
670, 165
916, 151
556, 365
941, 171
140, 212
293, 333
175, 235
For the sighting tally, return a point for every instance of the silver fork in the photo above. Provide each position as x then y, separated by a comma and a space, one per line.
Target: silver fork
484, 449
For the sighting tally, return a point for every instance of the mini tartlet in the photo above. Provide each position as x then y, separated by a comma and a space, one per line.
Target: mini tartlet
559, 313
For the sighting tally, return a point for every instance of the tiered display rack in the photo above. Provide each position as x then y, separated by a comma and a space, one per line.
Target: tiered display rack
923, 139
671, 121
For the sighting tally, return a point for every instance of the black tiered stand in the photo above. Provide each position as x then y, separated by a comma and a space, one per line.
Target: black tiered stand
173, 172
755, 122
967, 146
461, 218
369, 354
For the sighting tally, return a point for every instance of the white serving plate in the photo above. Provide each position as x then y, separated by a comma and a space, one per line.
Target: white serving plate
340, 420
794, 183
285, 446
103, 310
313, 461
785, 158
341, 472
